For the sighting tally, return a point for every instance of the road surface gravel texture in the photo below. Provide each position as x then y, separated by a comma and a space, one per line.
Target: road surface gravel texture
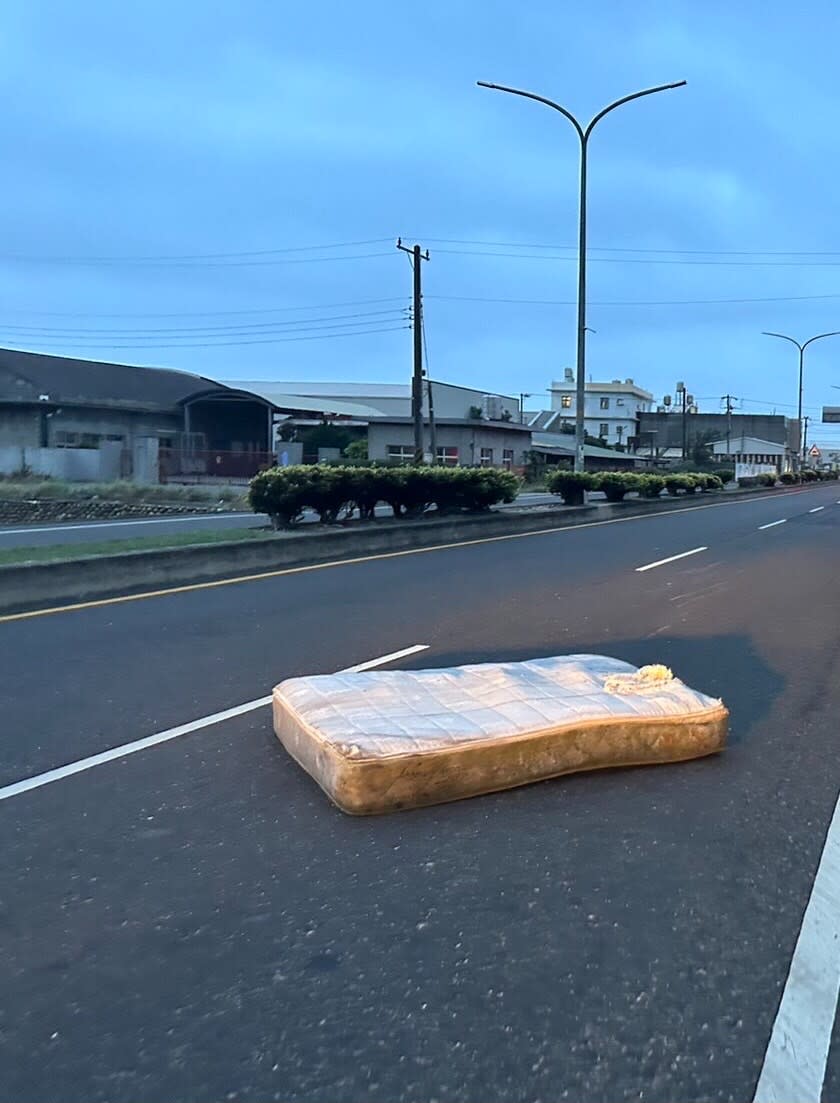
196, 921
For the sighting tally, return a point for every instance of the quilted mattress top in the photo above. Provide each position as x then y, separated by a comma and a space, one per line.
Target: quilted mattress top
384, 713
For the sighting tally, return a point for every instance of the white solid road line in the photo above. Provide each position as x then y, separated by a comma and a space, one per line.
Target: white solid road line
816, 509
92, 525
795, 1061
670, 559
39, 780
773, 524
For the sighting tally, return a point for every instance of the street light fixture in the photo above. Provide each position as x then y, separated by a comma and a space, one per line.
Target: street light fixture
583, 134
801, 347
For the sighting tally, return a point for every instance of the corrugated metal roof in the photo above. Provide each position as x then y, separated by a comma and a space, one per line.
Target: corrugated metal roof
26, 376
289, 401
354, 392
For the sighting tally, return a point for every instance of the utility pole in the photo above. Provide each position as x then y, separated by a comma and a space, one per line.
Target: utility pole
417, 256
728, 399
805, 421
432, 425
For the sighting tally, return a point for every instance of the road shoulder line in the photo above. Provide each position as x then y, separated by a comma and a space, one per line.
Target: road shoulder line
795, 1062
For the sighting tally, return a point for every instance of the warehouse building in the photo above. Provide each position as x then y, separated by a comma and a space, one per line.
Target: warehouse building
88, 419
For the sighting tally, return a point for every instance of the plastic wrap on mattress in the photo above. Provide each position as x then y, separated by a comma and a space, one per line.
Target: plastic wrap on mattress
385, 740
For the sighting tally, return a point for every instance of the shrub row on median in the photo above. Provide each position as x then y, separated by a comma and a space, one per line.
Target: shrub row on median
335, 492
572, 485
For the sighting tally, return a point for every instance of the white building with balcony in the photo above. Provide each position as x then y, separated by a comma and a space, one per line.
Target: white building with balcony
611, 411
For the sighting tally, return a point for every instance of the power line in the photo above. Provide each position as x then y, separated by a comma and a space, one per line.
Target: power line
650, 260
195, 258
103, 342
164, 257
201, 330
226, 344
200, 313
83, 263
629, 249
637, 302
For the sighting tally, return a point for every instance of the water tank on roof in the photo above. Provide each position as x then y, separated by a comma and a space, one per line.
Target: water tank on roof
569, 375
491, 407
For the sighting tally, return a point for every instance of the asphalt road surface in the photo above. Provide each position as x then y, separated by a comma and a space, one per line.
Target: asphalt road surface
195, 921
29, 536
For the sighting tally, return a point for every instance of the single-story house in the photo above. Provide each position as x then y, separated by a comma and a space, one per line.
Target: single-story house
460, 442
753, 451
559, 449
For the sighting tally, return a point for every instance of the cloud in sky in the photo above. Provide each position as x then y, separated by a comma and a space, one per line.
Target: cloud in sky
222, 128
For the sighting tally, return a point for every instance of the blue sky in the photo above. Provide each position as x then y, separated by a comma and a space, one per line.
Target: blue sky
160, 130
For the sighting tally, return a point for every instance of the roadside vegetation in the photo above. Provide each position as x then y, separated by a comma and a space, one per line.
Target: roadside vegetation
571, 486
17, 489
335, 492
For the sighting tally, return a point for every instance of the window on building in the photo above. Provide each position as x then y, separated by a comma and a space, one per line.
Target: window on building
400, 453
486, 457
114, 437
604, 430
605, 403
447, 455
90, 440
566, 402
507, 458
63, 438
619, 402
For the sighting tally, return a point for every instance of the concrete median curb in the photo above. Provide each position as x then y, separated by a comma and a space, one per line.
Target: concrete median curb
33, 585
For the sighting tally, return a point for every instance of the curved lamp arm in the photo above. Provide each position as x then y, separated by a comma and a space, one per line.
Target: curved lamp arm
782, 337
819, 337
627, 99
539, 99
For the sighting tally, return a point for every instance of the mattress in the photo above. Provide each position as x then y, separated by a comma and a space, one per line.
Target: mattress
386, 740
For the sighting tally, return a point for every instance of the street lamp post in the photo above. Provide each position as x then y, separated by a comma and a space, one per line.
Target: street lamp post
801, 346
583, 134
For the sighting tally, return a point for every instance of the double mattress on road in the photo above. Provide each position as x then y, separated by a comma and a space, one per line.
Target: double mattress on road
378, 742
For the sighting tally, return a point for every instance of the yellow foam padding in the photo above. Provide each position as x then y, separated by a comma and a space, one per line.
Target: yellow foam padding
386, 740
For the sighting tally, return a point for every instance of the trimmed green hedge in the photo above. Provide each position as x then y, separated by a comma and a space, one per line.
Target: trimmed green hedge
335, 492
615, 484
651, 485
764, 479
570, 485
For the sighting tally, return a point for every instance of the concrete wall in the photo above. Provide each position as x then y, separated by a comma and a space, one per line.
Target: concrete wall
455, 402
467, 439
19, 427
668, 427
106, 423
71, 464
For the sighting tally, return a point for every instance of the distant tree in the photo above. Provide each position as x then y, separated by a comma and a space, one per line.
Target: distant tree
357, 450
701, 453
